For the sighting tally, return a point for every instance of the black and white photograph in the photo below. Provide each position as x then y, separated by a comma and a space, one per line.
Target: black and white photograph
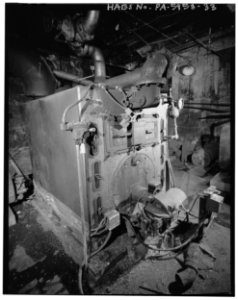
119, 149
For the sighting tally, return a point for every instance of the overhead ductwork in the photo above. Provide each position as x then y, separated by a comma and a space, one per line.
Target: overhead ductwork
85, 31
151, 72
39, 80
77, 33
99, 63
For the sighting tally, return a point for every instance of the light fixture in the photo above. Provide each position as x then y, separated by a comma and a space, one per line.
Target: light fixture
186, 70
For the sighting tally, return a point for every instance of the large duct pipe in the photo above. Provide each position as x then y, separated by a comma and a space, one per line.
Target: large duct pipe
84, 32
91, 21
151, 72
27, 64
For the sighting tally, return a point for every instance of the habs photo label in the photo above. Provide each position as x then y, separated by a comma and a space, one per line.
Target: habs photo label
159, 7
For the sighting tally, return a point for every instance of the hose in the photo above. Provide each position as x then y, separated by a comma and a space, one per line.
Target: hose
173, 248
80, 272
100, 229
103, 245
63, 119
193, 204
99, 225
167, 249
80, 280
188, 212
99, 233
171, 172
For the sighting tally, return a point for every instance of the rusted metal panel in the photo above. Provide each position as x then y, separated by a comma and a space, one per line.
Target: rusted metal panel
53, 150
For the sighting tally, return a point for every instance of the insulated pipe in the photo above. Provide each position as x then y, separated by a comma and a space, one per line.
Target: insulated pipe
99, 63
125, 80
71, 77
91, 21
151, 72
88, 27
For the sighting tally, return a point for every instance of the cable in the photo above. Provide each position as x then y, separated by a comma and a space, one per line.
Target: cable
99, 225
167, 249
195, 200
95, 233
98, 233
192, 215
188, 211
63, 120
188, 180
80, 280
173, 248
103, 245
171, 171
100, 229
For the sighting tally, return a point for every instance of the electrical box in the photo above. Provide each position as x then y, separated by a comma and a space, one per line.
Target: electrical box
210, 201
113, 218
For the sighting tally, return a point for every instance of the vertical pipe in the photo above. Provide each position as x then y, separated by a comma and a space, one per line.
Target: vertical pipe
99, 63
80, 152
91, 21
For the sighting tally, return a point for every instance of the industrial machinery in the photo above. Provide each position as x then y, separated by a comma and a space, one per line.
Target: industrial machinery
102, 151
100, 154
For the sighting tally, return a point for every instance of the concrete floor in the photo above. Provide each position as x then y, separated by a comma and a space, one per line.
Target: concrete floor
38, 263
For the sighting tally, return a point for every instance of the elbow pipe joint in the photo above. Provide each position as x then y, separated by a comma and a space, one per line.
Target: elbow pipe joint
85, 29
99, 63
91, 21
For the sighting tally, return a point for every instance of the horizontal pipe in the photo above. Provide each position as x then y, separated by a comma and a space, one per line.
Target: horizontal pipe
206, 104
216, 117
206, 108
199, 42
118, 67
220, 123
124, 80
71, 77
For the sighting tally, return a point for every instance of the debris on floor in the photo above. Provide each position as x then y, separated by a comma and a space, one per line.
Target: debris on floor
37, 261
